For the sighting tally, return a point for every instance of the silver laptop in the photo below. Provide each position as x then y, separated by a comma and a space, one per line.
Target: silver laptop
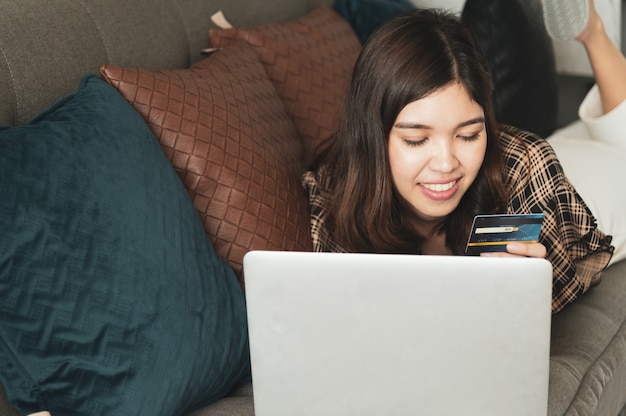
376, 334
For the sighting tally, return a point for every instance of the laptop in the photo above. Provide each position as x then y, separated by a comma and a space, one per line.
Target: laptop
383, 334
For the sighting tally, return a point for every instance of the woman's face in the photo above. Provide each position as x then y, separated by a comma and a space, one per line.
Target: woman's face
436, 148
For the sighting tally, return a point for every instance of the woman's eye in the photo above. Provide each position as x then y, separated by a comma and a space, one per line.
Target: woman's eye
470, 138
414, 142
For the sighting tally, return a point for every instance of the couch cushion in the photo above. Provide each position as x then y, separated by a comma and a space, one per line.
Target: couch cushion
112, 300
588, 350
521, 61
310, 61
154, 34
596, 186
228, 136
239, 402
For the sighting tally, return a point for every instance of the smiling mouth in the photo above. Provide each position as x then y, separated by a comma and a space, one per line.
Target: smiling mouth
439, 187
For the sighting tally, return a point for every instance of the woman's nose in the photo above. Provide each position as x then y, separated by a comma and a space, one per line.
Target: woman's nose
444, 158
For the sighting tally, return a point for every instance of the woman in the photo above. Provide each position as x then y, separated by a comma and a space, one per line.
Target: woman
419, 154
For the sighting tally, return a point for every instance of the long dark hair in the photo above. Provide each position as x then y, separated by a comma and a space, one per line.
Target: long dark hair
406, 59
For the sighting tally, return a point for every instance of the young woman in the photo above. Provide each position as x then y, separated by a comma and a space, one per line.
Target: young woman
419, 154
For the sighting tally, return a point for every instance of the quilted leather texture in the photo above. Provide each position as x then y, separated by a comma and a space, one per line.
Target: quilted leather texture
227, 133
310, 61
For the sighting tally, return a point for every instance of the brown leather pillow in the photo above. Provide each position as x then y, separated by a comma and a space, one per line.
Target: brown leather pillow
310, 61
227, 133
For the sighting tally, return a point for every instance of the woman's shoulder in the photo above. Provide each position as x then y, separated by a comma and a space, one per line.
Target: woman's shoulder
524, 152
532, 171
516, 141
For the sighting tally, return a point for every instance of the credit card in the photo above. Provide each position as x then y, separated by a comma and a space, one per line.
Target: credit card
491, 233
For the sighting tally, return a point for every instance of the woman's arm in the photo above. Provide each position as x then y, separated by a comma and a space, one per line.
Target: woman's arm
607, 61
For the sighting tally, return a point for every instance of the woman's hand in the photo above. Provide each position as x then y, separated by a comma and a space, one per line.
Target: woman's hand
521, 250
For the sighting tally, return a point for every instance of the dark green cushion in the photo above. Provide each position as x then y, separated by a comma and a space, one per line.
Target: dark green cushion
112, 300
365, 16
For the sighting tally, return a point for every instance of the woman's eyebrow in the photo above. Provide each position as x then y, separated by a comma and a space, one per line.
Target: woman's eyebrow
420, 126
411, 125
476, 120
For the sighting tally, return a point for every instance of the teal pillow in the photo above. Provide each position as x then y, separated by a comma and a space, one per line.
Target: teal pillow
365, 16
112, 300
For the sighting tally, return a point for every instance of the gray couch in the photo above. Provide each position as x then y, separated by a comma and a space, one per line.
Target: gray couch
46, 46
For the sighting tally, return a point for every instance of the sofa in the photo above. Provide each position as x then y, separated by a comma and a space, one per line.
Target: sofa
146, 147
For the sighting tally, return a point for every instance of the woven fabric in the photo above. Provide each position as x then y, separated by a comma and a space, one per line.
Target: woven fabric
310, 61
226, 132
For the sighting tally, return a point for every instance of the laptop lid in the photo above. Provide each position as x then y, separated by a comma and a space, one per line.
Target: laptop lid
377, 334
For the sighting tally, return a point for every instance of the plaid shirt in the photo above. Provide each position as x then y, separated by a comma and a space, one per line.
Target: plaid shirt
577, 249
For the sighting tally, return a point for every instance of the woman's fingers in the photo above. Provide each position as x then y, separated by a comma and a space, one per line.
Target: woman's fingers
537, 250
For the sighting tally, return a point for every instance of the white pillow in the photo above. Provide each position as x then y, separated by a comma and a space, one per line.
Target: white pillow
596, 169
